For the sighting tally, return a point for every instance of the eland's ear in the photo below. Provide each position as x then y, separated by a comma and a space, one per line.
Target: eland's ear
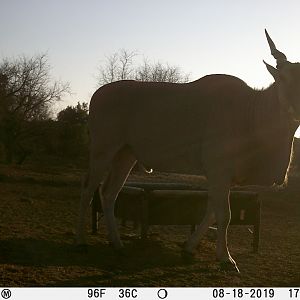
273, 71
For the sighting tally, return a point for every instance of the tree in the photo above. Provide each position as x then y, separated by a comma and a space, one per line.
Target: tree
159, 72
27, 93
121, 65
118, 66
74, 114
72, 134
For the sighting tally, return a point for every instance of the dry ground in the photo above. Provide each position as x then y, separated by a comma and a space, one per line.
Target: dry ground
37, 215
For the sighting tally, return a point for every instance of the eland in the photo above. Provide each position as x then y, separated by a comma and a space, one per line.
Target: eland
216, 126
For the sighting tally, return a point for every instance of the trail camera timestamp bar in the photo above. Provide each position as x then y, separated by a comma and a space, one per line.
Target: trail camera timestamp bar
149, 293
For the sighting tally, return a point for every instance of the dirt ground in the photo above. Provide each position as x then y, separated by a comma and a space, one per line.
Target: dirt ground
38, 209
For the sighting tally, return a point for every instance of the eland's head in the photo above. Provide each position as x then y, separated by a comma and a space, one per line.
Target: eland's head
287, 80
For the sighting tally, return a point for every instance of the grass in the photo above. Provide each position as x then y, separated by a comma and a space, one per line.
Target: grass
38, 209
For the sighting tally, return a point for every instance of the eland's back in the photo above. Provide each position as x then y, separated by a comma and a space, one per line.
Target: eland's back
166, 124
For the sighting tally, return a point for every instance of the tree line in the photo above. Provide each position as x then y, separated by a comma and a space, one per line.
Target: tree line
29, 129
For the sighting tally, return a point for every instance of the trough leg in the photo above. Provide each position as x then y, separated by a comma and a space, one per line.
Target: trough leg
96, 206
145, 216
95, 224
193, 228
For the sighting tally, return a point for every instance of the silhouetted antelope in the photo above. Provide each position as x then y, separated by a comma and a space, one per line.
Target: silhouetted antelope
216, 126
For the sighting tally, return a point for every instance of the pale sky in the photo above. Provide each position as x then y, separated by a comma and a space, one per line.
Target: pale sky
200, 37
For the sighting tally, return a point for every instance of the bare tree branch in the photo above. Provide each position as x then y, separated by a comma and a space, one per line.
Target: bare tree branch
121, 66
27, 93
29, 85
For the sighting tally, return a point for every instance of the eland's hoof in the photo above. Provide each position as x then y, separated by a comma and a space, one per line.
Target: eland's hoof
187, 257
81, 248
229, 266
120, 251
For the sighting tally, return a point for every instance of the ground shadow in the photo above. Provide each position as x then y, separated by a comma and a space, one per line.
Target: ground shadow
137, 255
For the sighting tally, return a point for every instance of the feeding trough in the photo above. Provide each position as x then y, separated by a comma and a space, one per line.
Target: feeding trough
177, 204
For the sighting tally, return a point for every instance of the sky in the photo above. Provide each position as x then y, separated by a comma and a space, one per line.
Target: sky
200, 37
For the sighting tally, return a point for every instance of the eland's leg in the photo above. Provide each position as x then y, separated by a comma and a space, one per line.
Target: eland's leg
207, 221
98, 167
121, 167
219, 195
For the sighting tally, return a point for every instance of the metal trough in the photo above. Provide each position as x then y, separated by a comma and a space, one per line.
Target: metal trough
177, 204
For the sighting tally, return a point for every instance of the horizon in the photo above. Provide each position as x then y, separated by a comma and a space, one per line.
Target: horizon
200, 39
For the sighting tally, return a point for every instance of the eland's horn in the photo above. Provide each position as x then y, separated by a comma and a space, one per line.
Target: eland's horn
279, 56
